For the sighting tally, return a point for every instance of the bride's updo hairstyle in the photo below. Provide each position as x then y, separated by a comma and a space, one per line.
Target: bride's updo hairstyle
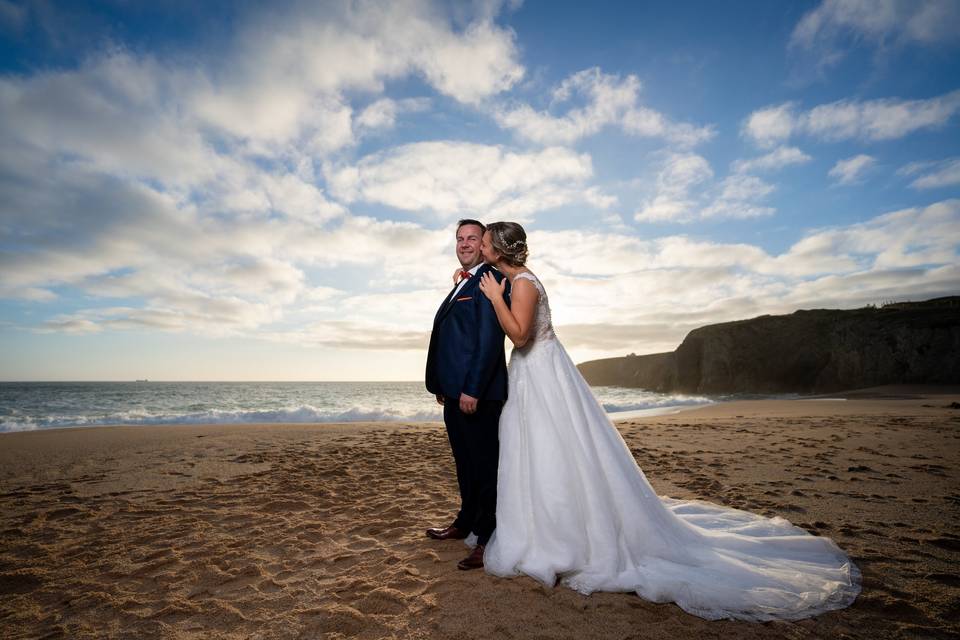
510, 241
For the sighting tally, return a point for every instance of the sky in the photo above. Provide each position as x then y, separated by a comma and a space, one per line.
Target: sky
269, 191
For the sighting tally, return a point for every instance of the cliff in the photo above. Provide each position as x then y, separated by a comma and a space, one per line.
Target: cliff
814, 351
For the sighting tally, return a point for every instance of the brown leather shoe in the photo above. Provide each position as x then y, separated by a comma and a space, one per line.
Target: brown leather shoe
450, 533
474, 560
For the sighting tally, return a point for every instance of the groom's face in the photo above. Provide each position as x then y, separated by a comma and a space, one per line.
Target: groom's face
468, 245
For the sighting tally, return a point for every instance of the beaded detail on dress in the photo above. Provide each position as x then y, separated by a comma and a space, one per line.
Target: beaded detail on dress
542, 321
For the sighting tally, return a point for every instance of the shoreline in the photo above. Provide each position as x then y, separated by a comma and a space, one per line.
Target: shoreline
862, 400
316, 530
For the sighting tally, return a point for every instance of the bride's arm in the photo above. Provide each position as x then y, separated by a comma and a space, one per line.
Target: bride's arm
517, 319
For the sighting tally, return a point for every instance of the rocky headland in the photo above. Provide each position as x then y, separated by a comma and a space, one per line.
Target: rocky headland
808, 351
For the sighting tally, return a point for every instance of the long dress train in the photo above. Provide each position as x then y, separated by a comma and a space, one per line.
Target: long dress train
573, 504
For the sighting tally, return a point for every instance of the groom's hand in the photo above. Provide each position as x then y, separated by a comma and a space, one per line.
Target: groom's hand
468, 404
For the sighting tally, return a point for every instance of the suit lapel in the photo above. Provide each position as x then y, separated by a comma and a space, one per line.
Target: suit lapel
444, 305
451, 301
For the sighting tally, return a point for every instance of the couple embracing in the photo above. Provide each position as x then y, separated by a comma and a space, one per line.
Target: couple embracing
549, 489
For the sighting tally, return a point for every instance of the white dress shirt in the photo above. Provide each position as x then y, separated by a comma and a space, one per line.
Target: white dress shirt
473, 274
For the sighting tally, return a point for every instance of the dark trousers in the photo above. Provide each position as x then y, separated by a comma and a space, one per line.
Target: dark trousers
475, 443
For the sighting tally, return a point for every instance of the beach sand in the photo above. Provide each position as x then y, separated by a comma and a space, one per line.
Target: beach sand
317, 531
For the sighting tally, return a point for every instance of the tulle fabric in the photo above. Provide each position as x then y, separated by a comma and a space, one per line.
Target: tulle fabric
573, 506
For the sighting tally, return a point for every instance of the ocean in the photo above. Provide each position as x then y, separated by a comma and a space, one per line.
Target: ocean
50, 405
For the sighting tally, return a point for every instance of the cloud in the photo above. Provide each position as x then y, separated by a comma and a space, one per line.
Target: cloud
880, 119
220, 193
740, 197
943, 173
776, 159
770, 125
279, 89
186, 190
913, 237
685, 191
107, 113
195, 313
666, 286
609, 100
110, 118
673, 200
645, 292
218, 286
613, 337
383, 113
827, 32
185, 267
851, 170
452, 179
291, 71
364, 336
587, 255
71, 325
470, 66
870, 120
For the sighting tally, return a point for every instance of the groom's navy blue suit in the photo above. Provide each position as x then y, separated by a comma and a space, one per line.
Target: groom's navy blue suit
466, 356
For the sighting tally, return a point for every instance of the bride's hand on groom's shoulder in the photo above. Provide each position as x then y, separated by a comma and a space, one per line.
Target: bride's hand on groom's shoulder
456, 274
491, 288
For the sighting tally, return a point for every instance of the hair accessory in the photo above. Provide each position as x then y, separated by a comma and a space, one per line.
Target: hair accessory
512, 245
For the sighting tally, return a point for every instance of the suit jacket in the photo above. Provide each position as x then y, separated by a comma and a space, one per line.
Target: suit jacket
466, 352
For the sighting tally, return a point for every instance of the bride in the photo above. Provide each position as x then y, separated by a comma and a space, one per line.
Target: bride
573, 504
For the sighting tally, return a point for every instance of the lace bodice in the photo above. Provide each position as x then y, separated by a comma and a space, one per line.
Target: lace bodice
542, 322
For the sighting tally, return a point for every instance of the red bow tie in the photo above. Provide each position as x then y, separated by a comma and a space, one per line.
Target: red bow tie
465, 274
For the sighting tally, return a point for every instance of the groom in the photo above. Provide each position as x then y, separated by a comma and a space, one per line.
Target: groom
467, 372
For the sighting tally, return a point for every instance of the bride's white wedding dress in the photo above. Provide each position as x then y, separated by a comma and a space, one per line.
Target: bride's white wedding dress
573, 504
